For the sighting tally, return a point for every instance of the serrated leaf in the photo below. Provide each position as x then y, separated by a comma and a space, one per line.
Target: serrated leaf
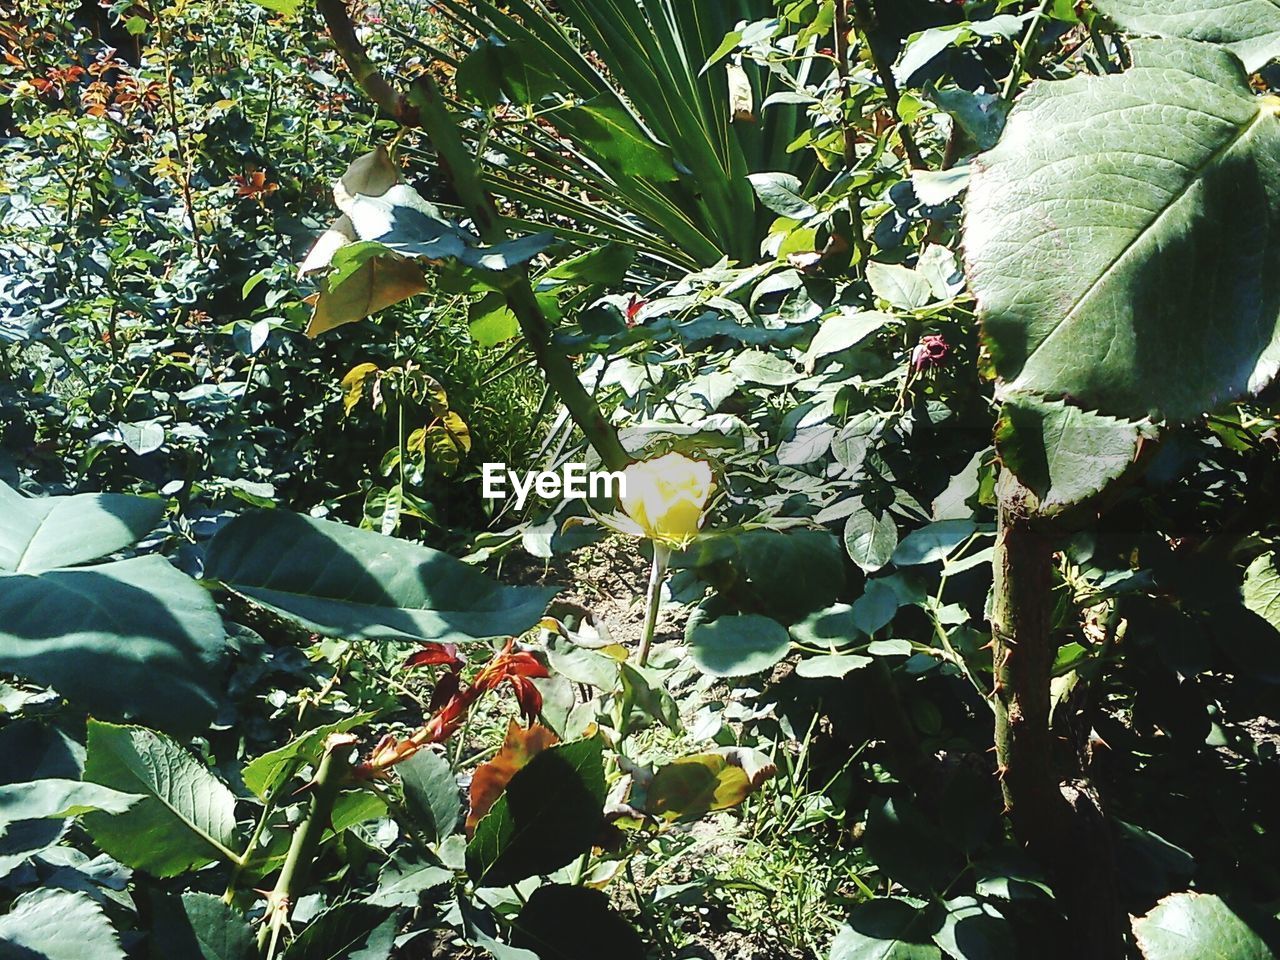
44, 799
519, 747
187, 817
593, 930
1249, 28
780, 193
405, 878
933, 542
1197, 926
870, 536
901, 286
1063, 454
887, 929
550, 813
431, 793
1262, 588
267, 773
1158, 185
348, 931
58, 925
843, 331
691, 787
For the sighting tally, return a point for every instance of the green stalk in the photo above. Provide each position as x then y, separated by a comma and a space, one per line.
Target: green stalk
334, 770
423, 106
653, 600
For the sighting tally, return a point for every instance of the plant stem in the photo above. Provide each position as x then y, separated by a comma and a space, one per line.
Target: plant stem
1024, 51
653, 600
334, 770
863, 18
424, 106
1061, 825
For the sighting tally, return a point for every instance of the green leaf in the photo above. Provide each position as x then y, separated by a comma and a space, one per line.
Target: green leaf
341, 581
932, 543
349, 931
887, 929
43, 799
1249, 28
843, 331
780, 192
58, 925
974, 930
1131, 261
1197, 926
287, 7
691, 787
605, 265
550, 813
267, 773
1063, 454
768, 563
875, 608
901, 286
41, 533
910, 848
187, 817
620, 142
213, 929
575, 923
1262, 588
870, 536
491, 321
431, 793
834, 665
404, 878
756, 366
738, 645
132, 638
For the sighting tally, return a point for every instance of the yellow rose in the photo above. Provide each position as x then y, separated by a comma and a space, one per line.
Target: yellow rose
667, 496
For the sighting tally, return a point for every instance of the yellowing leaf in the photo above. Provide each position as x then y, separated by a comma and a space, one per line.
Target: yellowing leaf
377, 284
353, 385
491, 778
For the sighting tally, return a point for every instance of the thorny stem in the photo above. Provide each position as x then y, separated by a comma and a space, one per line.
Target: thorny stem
334, 770
653, 599
863, 19
1024, 51
184, 161
423, 106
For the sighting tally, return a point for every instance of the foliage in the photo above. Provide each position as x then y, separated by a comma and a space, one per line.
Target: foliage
958, 437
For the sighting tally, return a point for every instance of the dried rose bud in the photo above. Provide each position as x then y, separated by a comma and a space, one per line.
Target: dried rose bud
932, 351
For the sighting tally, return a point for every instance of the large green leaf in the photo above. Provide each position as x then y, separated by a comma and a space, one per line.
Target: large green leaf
348, 931
1251, 28
1123, 238
594, 931
887, 929
187, 817
56, 799
200, 926
57, 925
738, 645
40, 533
1063, 454
342, 581
1197, 926
550, 813
33, 751
133, 638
